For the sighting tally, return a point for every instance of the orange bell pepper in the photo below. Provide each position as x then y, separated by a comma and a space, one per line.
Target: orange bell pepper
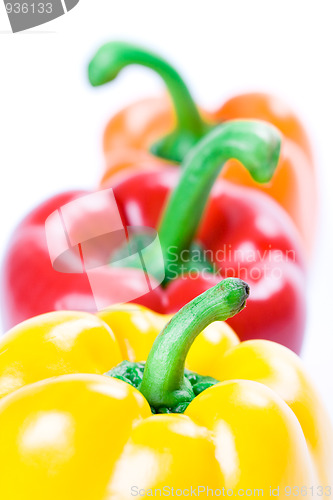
169, 129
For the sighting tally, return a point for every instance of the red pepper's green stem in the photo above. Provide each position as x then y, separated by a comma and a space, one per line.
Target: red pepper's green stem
112, 57
254, 143
163, 383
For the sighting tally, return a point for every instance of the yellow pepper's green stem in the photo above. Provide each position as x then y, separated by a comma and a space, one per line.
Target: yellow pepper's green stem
163, 383
112, 57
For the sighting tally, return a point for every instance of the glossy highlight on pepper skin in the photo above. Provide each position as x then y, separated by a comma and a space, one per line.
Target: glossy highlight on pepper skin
41, 347
83, 435
132, 134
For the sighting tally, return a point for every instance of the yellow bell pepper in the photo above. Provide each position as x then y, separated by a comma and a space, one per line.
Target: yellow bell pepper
68, 431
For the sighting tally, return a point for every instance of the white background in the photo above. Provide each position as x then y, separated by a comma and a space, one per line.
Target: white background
51, 121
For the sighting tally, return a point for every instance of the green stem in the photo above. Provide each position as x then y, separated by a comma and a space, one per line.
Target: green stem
163, 383
112, 57
254, 143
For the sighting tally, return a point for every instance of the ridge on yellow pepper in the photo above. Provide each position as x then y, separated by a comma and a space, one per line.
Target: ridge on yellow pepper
69, 431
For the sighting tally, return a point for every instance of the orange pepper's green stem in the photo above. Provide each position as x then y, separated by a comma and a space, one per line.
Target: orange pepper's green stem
112, 57
254, 143
164, 384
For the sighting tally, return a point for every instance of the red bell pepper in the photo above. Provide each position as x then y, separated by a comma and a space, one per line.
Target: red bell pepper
30, 284
235, 231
